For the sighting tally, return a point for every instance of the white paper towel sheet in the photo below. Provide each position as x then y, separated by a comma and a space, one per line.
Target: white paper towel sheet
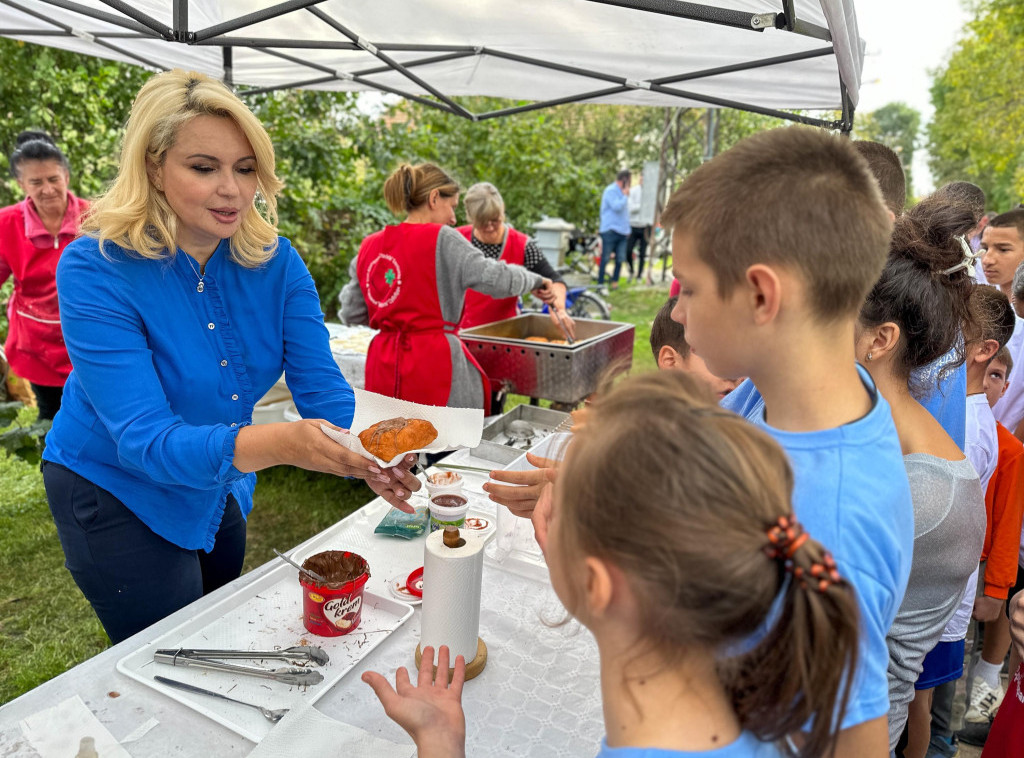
307, 732
452, 579
456, 427
57, 732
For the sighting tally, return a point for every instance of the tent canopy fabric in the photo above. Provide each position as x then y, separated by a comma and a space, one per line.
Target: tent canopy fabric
757, 55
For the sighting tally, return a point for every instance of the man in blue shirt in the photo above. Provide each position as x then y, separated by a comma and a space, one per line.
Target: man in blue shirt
614, 228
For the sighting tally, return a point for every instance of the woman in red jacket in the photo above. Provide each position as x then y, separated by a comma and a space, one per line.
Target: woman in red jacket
33, 234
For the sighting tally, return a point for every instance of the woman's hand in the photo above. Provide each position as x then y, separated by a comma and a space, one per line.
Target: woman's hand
431, 710
522, 488
399, 485
545, 291
304, 444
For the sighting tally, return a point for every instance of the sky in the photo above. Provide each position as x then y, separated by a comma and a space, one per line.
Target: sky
905, 40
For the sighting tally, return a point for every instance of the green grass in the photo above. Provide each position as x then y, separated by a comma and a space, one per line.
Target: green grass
46, 626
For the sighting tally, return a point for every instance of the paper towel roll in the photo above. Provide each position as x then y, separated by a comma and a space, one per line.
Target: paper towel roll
451, 595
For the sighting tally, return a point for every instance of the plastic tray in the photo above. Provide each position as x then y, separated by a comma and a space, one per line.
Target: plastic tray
264, 615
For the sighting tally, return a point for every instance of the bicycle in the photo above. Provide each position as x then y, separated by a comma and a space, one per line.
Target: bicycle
583, 255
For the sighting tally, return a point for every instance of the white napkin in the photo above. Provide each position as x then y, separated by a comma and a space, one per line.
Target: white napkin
57, 732
306, 731
456, 427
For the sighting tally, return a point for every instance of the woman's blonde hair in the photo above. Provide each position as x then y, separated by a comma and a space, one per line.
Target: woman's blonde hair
680, 495
137, 217
409, 186
483, 203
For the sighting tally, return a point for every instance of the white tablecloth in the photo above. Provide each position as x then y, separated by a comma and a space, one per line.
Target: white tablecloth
539, 694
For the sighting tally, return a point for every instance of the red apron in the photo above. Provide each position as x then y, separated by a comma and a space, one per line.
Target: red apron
409, 359
484, 309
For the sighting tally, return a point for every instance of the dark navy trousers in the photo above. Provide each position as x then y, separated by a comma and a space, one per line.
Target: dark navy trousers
131, 576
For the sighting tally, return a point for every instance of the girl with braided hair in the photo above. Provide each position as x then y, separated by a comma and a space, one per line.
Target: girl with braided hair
674, 557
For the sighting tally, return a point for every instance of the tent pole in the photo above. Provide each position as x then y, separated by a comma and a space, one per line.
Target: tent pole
180, 19
846, 126
109, 18
395, 65
229, 68
142, 18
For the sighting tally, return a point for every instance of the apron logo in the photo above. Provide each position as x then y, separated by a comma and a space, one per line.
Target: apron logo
383, 281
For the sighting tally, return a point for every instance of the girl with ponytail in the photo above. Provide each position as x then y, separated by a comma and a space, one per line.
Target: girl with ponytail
915, 314
673, 556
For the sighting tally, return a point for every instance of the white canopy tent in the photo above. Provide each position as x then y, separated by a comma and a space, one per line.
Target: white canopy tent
756, 55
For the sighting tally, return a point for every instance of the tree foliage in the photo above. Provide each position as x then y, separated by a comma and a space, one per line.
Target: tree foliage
977, 132
81, 101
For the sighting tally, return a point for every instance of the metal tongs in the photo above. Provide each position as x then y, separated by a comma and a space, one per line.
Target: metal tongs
295, 676
565, 330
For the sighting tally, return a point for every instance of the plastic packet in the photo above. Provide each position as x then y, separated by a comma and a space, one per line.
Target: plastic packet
397, 523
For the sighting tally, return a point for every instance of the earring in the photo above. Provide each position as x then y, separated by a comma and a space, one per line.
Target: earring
869, 355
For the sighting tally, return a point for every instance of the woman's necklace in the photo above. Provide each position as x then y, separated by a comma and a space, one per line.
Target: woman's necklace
199, 287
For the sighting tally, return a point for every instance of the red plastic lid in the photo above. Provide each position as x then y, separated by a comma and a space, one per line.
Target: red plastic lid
415, 582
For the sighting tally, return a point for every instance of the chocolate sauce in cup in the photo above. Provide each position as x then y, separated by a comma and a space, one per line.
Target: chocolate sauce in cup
448, 510
333, 608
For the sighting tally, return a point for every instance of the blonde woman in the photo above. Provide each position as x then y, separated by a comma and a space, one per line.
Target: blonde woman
181, 307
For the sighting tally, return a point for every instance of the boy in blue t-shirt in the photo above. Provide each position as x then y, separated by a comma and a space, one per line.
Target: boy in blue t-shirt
776, 243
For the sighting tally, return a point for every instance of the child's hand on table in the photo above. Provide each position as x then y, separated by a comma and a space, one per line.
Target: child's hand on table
430, 710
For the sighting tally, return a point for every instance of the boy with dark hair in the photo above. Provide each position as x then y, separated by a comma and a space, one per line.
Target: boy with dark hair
776, 243
672, 351
887, 169
1002, 245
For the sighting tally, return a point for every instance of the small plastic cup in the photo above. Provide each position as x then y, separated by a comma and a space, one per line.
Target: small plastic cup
335, 608
444, 483
448, 510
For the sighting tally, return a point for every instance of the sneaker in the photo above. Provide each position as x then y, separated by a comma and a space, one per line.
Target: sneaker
984, 702
940, 748
974, 732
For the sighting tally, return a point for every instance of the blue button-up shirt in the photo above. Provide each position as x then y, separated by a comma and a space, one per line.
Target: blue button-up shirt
164, 376
614, 210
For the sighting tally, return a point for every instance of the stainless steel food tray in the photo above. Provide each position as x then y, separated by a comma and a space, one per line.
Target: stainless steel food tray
561, 373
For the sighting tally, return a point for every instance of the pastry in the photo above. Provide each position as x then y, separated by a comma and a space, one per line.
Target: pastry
536, 339
395, 436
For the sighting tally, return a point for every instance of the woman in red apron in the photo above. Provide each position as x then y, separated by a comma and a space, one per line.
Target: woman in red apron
33, 234
496, 240
410, 281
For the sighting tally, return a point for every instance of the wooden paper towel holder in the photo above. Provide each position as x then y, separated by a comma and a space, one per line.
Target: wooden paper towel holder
473, 667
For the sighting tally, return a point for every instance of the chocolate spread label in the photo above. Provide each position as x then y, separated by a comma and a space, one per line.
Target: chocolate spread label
343, 611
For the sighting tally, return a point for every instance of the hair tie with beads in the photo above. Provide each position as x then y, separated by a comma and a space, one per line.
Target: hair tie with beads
785, 537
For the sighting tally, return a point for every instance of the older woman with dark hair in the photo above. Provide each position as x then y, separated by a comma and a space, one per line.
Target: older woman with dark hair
489, 233
33, 234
